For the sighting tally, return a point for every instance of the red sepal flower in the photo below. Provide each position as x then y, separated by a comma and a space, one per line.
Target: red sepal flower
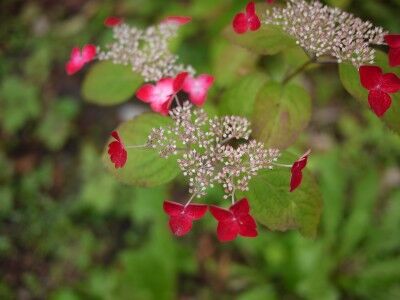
78, 59
117, 151
112, 21
393, 40
249, 20
160, 95
297, 171
197, 88
235, 221
181, 217
177, 20
379, 86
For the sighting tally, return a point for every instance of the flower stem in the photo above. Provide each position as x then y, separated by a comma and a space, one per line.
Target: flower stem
190, 199
233, 196
298, 70
177, 101
281, 165
136, 146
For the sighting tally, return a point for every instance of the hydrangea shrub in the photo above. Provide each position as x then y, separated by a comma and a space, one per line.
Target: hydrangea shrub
244, 154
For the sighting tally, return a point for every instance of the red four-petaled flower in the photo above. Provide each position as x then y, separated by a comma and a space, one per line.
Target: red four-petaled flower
78, 59
235, 221
297, 171
197, 88
379, 86
160, 95
112, 21
117, 151
393, 40
242, 22
177, 20
181, 217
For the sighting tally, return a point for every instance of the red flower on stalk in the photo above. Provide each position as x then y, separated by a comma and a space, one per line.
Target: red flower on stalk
393, 40
235, 221
177, 20
181, 217
162, 93
249, 20
78, 59
379, 86
297, 171
117, 151
112, 21
197, 88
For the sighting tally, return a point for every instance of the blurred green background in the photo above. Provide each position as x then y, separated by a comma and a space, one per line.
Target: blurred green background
69, 230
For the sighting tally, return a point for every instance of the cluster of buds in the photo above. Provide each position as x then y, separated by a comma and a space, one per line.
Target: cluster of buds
145, 50
325, 31
210, 151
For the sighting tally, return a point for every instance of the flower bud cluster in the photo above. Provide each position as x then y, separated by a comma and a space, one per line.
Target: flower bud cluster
325, 31
145, 50
207, 157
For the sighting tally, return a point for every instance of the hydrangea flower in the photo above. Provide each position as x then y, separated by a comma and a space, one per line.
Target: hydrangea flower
177, 20
297, 171
393, 40
235, 221
112, 21
161, 94
79, 58
117, 151
379, 86
248, 20
197, 88
181, 217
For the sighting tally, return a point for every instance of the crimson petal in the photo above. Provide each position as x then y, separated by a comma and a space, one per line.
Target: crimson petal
240, 23
379, 102
370, 76
394, 57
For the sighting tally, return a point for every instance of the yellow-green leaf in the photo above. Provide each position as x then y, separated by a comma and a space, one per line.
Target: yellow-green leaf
107, 83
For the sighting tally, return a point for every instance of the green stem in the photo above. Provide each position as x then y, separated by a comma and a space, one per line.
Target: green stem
298, 70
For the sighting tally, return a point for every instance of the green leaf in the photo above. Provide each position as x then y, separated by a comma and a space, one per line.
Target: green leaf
107, 83
351, 82
281, 112
278, 209
144, 167
268, 40
19, 103
231, 62
57, 119
239, 99
355, 228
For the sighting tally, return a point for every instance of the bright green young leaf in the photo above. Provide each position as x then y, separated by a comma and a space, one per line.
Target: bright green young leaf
107, 83
278, 209
280, 113
351, 82
239, 98
268, 40
144, 167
